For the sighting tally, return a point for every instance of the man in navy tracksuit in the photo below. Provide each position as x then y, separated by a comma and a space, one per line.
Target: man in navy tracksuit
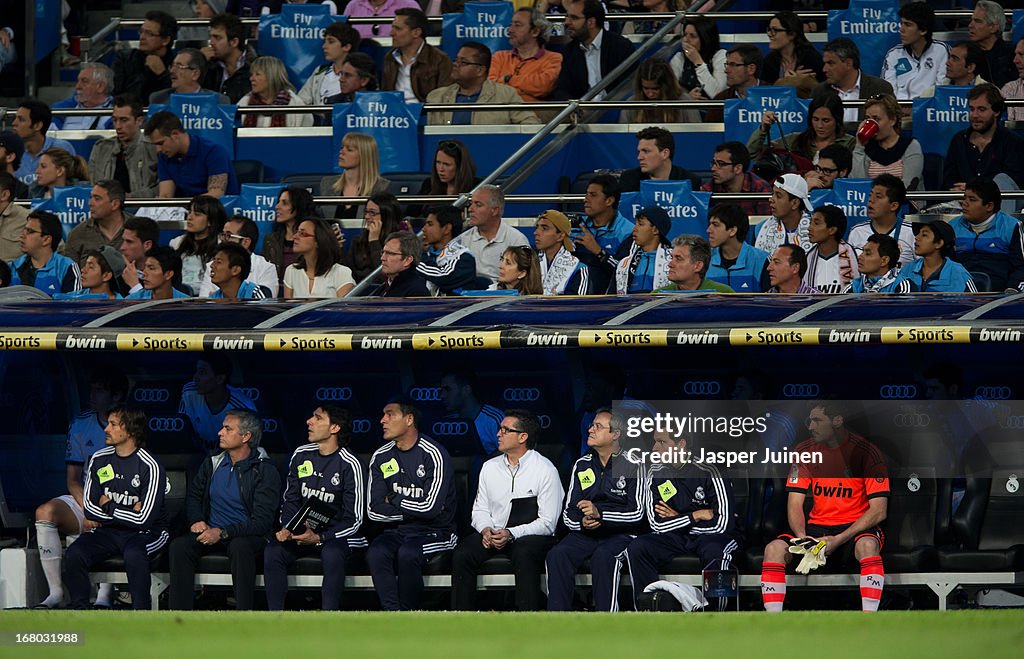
124, 510
603, 511
412, 493
230, 508
324, 470
691, 510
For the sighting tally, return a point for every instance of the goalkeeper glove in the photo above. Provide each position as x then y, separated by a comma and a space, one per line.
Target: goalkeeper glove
813, 552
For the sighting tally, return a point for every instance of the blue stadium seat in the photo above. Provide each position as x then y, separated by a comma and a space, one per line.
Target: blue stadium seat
249, 171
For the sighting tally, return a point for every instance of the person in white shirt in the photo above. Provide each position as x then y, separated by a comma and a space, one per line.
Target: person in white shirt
831, 261
1015, 88
918, 63
514, 514
317, 272
242, 230
488, 237
888, 194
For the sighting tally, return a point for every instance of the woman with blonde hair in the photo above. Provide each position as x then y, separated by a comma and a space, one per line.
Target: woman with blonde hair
270, 86
360, 178
655, 81
519, 270
58, 168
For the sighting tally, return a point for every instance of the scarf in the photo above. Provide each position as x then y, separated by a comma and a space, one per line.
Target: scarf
886, 157
556, 275
626, 269
277, 119
773, 233
877, 284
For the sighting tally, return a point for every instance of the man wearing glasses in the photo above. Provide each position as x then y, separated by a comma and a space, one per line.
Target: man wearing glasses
729, 174
469, 71
39, 264
241, 230
187, 71
834, 161
604, 512
742, 65
144, 70
514, 514
398, 261
414, 67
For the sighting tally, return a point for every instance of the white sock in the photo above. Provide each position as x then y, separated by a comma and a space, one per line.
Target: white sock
48, 538
104, 594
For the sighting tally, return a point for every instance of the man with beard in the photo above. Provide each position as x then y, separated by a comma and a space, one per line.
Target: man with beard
985, 149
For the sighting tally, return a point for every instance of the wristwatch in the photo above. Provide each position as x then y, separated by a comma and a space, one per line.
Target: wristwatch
224, 534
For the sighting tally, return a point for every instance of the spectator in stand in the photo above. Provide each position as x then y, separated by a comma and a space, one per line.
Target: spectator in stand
688, 266
274, 6
100, 278
841, 65
791, 54
92, 90
786, 269
986, 29
294, 204
229, 271
655, 149
8, 53
39, 264
742, 64
602, 230
11, 151
1015, 88
791, 214
528, 67
643, 264
31, 121
383, 216
340, 41
146, 69
488, 237
56, 169
398, 260
105, 225
987, 240
188, 165
203, 225
655, 81
561, 272
934, 270
360, 178
12, 219
917, 63
317, 272
413, 66
729, 174
188, 70
241, 230
879, 266
382, 8
650, 25
126, 157
199, 36
824, 128
140, 234
699, 66
447, 265
831, 261
229, 58
985, 148
593, 53
962, 66
453, 172
519, 270
889, 151
269, 86
358, 74
888, 194
834, 161
470, 86
734, 262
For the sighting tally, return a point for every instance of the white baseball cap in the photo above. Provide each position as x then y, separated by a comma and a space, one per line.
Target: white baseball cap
795, 185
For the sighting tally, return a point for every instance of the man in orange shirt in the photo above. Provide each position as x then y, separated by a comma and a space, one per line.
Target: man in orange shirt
850, 489
528, 67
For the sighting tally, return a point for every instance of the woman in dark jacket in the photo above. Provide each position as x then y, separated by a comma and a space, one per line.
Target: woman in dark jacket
381, 218
294, 204
791, 54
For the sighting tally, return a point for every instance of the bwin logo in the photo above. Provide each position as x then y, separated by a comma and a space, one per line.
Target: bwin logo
360, 426
993, 393
521, 394
252, 392
269, 425
427, 394
148, 395
333, 393
544, 420
807, 390
900, 391
450, 428
166, 424
701, 387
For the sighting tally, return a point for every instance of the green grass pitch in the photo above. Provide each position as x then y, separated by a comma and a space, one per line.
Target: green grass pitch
798, 634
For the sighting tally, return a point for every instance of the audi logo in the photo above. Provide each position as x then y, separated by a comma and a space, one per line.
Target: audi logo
544, 420
360, 426
427, 394
450, 428
166, 424
269, 425
521, 394
333, 393
807, 390
1013, 422
149, 395
701, 387
911, 420
252, 393
902, 391
993, 393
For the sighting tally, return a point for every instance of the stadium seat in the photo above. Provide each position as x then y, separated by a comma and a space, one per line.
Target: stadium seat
406, 183
309, 181
988, 525
914, 503
982, 281
249, 171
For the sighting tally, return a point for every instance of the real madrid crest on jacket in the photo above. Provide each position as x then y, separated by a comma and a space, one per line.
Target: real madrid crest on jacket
686, 488
335, 479
616, 489
911, 76
135, 479
413, 489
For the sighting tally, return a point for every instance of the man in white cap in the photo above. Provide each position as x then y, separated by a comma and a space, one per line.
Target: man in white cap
791, 215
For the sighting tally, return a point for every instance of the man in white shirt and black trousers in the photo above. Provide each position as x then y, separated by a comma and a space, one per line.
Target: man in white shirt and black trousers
514, 514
